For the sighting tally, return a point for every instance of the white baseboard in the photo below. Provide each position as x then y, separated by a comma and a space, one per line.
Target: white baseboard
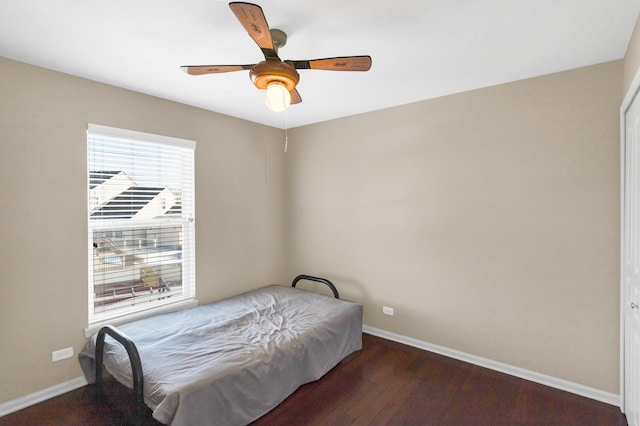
554, 382
42, 395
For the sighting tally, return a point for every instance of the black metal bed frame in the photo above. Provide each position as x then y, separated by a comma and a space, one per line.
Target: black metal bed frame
132, 351
134, 356
317, 279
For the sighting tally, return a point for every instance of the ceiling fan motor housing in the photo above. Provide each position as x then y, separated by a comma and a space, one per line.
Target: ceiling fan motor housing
269, 71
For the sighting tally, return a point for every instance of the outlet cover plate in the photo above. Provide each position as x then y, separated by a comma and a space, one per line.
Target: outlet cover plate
61, 354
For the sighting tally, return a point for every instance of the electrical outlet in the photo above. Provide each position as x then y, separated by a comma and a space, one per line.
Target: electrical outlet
61, 354
387, 310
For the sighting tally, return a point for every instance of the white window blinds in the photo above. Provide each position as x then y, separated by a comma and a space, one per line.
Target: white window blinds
141, 221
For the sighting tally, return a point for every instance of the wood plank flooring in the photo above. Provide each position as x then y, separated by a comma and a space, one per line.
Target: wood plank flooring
386, 384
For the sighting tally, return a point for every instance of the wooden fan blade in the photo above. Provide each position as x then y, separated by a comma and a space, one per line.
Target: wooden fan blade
342, 63
295, 97
213, 69
252, 19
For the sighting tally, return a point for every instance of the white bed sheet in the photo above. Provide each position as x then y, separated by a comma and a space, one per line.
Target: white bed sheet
232, 361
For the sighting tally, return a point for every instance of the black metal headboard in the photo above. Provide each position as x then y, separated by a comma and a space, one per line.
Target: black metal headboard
319, 280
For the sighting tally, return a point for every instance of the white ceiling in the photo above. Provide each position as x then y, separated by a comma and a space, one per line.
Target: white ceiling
421, 49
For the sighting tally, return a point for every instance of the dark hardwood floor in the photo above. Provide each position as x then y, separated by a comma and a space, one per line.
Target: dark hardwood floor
386, 384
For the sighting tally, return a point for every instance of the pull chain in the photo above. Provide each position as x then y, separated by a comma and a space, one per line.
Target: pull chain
264, 141
286, 131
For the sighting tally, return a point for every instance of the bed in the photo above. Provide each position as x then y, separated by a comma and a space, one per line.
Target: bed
231, 361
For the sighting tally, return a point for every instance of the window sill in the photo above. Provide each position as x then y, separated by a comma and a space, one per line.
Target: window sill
178, 306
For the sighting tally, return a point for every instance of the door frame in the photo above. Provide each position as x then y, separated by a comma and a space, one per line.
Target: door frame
630, 97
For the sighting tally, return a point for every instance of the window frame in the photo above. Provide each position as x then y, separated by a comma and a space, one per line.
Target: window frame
187, 298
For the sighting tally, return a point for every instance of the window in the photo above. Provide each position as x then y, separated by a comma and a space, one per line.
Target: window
140, 222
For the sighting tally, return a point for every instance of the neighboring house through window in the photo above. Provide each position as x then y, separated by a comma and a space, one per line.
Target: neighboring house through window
141, 223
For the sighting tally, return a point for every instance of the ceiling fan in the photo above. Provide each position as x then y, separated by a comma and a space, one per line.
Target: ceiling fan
277, 77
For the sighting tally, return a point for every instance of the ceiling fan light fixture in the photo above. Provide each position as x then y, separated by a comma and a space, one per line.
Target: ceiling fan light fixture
277, 79
277, 97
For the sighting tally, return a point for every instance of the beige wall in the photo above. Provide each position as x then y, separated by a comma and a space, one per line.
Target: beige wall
43, 118
488, 220
632, 57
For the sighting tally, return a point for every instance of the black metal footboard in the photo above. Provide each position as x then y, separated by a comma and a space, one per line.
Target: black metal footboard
317, 279
134, 359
